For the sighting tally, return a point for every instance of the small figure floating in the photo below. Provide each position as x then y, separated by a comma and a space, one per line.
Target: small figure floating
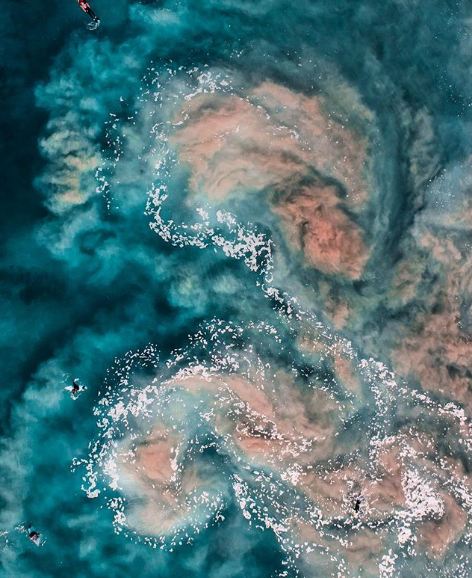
75, 389
358, 504
32, 534
95, 20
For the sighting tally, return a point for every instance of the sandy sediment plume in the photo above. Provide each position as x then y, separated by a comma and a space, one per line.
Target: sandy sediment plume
344, 368
281, 455
147, 473
291, 452
343, 364
70, 180
437, 536
363, 551
337, 308
316, 224
274, 427
155, 456
384, 493
299, 427
335, 491
332, 148
438, 348
392, 494
268, 144
434, 284
231, 148
235, 144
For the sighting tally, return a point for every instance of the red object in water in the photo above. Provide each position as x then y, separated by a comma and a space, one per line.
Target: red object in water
85, 6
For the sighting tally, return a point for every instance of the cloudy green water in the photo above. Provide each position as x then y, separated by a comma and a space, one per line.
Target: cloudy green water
85, 279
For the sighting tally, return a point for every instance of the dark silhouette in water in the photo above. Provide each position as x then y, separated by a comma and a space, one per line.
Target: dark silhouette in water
32, 534
85, 6
75, 389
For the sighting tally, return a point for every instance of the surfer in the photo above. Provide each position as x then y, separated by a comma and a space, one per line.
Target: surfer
85, 6
75, 389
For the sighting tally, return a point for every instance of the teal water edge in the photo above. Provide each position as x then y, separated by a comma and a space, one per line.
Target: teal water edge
243, 229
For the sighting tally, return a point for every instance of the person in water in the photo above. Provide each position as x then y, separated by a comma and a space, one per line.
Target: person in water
75, 389
32, 534
85, 6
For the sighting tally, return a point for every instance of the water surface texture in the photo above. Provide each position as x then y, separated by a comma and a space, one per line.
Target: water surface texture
246, 227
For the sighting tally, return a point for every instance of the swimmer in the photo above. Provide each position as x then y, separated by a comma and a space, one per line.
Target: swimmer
34, 537
357, 505
75, 389
32, 534
85, 6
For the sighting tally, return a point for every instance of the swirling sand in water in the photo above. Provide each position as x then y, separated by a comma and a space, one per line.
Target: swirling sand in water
259, 220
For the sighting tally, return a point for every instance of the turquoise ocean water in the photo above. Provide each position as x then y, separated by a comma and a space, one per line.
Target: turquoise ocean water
246, 228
